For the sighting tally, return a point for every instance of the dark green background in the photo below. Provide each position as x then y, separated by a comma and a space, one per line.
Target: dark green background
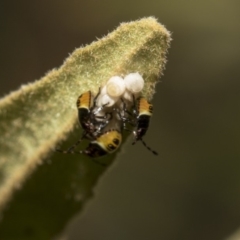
192, 190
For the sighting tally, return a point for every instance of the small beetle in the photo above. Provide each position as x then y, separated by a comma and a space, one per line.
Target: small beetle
87, 115
101, 144
139, 118
106, 143
143, 113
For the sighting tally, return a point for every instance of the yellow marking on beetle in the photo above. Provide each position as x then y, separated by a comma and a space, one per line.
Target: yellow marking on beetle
144, 107
109, 141
84, 100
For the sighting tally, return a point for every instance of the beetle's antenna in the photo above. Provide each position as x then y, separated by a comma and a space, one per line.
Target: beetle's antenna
146, 146
81, 152
151, 150
70, 149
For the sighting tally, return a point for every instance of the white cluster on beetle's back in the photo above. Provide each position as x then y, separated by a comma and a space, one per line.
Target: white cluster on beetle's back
118, 87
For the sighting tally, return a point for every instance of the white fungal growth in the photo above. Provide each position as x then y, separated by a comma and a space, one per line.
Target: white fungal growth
134, 83
115, 86
128, 96
106, 100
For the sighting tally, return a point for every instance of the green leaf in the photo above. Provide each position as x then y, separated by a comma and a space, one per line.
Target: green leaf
39, 116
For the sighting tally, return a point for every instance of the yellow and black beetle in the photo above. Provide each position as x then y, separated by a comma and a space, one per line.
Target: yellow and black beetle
103, 130
88, 117
105, 143
139, 118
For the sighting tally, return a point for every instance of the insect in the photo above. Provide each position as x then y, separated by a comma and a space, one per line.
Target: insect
105, 143
139, 118
88, 116
99, 126
101, 144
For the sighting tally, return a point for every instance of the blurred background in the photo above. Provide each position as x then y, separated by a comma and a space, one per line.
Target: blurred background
192, 189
